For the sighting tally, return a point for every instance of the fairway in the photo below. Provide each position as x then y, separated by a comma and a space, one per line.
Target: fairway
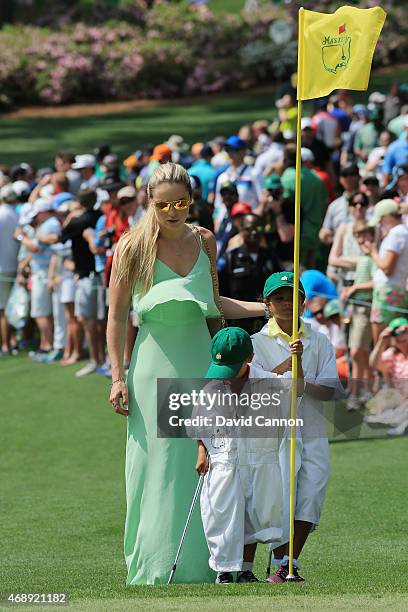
63, 509
36, 140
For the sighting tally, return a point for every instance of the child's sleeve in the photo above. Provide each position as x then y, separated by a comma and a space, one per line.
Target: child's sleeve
258, 372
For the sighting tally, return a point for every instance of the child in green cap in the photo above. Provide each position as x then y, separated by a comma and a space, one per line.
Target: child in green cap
272, 348
241, 499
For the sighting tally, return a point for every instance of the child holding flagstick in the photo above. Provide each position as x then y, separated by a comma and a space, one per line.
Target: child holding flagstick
241, 498
273, 354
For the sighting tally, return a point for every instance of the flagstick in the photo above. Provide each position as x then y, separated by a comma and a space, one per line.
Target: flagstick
295, 320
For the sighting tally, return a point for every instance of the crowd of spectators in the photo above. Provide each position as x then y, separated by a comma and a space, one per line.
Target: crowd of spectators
59, 227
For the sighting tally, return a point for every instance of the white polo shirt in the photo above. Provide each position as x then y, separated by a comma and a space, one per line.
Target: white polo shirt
8, 246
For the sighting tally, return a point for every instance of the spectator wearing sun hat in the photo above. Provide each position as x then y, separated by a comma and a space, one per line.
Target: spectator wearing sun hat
86, 166
179, 149
162, 154
390, 297
62, 198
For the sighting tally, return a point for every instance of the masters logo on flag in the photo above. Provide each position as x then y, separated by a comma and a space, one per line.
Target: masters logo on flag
341, 44
336, 51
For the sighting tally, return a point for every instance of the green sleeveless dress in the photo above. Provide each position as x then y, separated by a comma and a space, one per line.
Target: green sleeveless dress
173, 342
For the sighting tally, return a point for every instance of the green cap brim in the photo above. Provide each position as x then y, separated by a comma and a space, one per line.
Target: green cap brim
283, 284
218, 370
398, 322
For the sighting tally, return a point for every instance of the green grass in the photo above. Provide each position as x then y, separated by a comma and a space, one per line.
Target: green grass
37, 139
226, 6
63, 509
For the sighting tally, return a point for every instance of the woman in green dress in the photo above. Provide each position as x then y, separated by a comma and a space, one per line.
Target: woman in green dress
163, 267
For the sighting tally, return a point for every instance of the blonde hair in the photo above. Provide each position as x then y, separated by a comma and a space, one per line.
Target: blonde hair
136, 251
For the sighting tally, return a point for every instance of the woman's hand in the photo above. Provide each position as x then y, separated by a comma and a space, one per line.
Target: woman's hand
119, 397
202, 461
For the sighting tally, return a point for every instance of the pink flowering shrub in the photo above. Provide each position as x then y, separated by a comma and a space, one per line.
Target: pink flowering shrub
172, 52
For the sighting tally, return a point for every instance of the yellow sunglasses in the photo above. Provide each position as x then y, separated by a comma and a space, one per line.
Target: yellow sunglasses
181, 204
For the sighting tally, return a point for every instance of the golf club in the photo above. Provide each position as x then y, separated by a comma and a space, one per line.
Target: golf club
193, 503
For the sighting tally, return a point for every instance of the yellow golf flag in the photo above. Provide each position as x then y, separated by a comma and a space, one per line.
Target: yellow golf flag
336, 51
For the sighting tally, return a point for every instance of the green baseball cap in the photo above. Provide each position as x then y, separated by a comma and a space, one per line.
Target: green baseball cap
331, 308
272, 181
229, 349
398, 322
385, 207
280, 279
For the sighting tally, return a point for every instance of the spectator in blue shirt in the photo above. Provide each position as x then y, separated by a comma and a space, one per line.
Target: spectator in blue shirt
204, 170
397, 154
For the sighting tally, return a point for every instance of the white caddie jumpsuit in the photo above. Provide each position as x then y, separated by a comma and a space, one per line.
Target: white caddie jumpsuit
242, 495
312, 449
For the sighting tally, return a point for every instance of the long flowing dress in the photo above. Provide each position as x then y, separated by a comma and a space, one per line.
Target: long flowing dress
173, 342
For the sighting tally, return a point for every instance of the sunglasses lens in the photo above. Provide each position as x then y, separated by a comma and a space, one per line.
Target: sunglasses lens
178, 205
181, 204
163, 206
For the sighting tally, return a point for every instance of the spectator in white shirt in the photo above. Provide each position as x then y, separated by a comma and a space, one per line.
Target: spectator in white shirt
268, 161
326, 127
339, 211
8, 258
86, 164
244, 176
390, 297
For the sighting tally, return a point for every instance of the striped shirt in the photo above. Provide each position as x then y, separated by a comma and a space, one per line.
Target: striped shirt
41, 260
364, 274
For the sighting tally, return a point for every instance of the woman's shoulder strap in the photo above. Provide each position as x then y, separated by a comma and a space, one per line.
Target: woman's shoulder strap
197, 234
